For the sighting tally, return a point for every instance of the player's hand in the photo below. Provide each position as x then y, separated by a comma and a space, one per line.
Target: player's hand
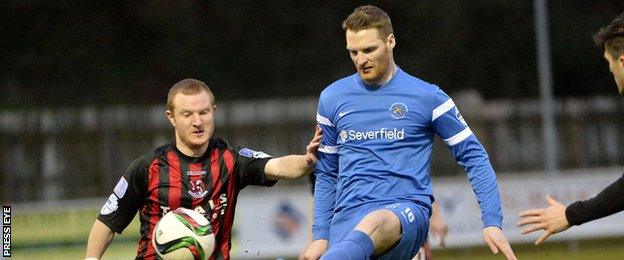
316, 249
552, 219
496, 240
313, 146
438, 228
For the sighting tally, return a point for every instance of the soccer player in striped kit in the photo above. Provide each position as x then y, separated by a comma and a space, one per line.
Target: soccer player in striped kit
373, 191
197, 172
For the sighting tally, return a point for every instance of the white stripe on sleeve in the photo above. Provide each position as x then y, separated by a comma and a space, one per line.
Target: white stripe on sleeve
328, 149
440, 110
458, 138
323, 120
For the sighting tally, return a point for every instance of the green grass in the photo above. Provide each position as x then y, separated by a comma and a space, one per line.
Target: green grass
62, 234
117, 250
59, 228
586, 249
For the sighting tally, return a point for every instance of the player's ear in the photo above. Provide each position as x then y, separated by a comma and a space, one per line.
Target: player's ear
214, 108
390, 41
620, 60
170, 117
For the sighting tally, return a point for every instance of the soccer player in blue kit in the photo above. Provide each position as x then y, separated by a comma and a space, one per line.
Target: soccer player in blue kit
373, 191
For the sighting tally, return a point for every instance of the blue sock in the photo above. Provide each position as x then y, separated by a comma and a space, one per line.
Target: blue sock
356, 246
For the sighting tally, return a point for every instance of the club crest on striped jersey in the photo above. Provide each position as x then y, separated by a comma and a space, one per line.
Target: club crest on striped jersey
398, 110
198, 189
460, 117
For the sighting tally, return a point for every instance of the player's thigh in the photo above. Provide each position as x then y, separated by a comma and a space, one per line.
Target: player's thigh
383, 227
414, 219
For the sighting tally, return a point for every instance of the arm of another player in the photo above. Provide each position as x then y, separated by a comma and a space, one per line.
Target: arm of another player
552, 219
294, 166
99, 240
557, 217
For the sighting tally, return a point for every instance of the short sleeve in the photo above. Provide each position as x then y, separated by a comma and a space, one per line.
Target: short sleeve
250, 167
127, 196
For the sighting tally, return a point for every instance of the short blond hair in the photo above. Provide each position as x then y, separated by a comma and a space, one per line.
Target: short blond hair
187, 87
367, 17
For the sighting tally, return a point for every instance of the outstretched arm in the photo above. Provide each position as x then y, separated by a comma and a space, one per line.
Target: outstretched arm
552, 219
607, 202
99, 240
294, 166
557, 217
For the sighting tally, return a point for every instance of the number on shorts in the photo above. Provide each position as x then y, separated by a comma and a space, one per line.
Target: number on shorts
410, 214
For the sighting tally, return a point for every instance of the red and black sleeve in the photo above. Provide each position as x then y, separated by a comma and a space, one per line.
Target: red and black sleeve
123, 204
250, 167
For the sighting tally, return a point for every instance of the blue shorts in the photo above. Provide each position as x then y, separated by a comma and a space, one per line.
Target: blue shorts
414, 228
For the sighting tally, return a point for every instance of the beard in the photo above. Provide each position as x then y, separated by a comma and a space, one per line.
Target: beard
377, 73
372, 77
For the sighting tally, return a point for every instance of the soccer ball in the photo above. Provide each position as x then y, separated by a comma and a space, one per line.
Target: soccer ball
183, 234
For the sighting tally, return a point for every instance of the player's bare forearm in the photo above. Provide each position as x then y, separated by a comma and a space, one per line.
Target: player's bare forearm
99, 239
295, 166
287, 167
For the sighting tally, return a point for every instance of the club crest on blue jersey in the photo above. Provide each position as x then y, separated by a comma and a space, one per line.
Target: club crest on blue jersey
398, 110
343, 135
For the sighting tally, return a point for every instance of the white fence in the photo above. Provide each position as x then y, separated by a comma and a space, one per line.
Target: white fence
53, 154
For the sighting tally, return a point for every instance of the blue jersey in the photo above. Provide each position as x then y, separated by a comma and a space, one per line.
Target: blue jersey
376, 149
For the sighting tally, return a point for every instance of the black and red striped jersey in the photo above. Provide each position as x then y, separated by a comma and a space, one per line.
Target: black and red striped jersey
166, 179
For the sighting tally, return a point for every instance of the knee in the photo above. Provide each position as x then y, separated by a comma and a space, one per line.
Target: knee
380, 221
